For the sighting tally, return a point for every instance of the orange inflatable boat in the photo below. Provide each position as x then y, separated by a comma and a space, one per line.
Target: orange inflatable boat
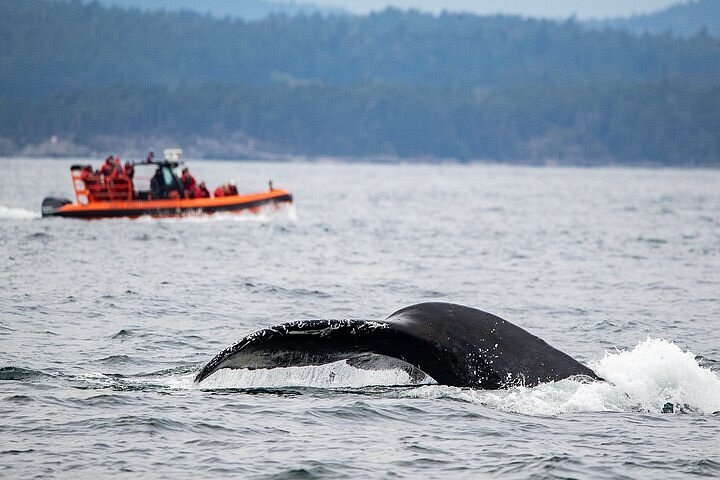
125, 194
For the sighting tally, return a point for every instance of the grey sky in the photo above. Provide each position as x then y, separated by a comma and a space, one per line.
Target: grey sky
546, 8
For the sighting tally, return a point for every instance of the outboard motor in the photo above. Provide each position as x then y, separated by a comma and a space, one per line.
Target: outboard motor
50, 205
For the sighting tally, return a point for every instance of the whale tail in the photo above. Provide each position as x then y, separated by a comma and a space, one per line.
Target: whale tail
364, 344
453, 344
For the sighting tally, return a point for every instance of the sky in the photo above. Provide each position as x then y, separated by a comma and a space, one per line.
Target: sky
536, 8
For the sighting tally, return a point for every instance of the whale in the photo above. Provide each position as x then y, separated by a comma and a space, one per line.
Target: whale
455, 345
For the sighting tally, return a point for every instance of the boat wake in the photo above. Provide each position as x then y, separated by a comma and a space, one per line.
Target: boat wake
9, 213
265, 214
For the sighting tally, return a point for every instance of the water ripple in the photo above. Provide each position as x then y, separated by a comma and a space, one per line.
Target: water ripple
104, 324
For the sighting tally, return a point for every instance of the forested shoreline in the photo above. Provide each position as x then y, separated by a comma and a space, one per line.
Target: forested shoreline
402, 84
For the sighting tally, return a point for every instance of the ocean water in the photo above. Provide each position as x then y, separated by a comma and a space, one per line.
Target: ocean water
103, 325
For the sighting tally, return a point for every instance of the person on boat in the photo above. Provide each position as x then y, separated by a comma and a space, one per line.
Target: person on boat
231, 188
150, 157
107, 168
85, 172
118, 183
190, 185
156, 184
105, 176
117, 168
129, 170
92, 182
204, 192
226, 190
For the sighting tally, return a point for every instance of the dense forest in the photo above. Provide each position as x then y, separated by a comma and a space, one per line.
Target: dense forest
683, 19
686, 19
56, 46
245, 9
392, 83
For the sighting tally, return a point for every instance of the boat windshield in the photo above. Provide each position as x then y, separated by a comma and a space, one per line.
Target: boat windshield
165, 182
169, 176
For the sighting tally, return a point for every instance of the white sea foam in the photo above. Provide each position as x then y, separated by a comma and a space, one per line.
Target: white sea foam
647, 378
555, 398
8, 213
657, 372
177, 382
269, 213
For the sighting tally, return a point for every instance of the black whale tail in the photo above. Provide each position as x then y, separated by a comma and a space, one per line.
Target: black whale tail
453, 344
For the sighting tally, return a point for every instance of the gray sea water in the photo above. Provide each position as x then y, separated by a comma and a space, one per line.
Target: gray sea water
103, 325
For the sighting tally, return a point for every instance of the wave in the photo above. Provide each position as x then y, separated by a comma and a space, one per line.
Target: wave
9, 213
11, 373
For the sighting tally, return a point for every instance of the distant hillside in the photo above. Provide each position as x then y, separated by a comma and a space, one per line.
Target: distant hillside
59, 46
392, 83
683, 20
245, 9
658, 123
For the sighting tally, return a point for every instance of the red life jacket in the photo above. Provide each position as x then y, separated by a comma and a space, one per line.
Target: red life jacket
189, 184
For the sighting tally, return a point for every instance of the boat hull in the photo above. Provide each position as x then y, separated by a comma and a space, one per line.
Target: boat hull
53, 207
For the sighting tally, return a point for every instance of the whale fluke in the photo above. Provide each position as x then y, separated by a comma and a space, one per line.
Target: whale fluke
453, 344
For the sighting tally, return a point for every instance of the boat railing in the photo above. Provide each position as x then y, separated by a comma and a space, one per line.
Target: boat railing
92, 187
